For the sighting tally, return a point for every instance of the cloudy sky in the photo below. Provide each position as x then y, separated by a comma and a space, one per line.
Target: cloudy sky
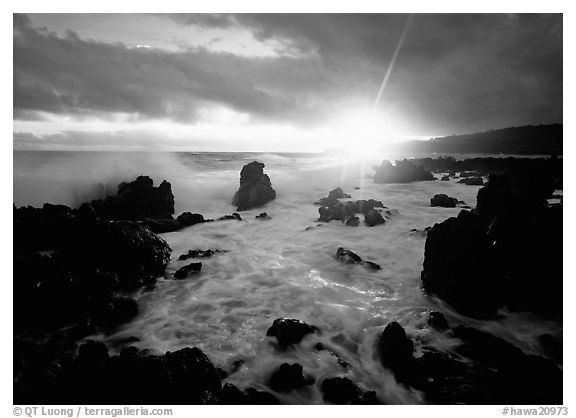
301, 82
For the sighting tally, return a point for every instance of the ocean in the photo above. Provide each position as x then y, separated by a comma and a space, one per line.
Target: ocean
284, 267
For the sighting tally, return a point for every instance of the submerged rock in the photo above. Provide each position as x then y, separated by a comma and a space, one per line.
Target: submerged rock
289, 331
444, 201
200, 254
404, 171
289, 377
255, 187
183, 272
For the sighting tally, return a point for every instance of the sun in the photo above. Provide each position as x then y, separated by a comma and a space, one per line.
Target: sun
362, 132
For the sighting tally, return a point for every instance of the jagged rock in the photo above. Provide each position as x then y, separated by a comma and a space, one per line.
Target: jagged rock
333, 197
349, 257
396, 352
137, 200
404, 171
289, 331
234, 216
263, 216
183, 272
444, 201
255, 187
373, 218
341, 390
289, 377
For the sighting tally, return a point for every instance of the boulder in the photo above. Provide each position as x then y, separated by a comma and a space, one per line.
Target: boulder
403, 171
443, 201
373, 217
349, 257
288, 377
255, 187
184, 271
352, 221
445, 178
289, 331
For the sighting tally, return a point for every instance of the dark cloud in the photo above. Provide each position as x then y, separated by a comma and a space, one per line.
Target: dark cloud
455, 73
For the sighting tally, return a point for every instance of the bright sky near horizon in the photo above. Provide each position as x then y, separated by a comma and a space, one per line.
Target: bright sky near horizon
277, 82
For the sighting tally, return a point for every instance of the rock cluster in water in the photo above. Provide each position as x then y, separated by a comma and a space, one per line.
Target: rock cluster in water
404, 171
332, 209
255, 187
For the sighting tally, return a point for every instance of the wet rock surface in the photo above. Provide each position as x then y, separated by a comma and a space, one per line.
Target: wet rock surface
185, 271
341, 390
443, 201
255, 187
349, 257
200, 254
288, 332
289, 377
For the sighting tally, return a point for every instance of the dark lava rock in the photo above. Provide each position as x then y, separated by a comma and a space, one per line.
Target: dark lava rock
263, 216
200, 254
445, 178
404, 171
341, 390
135, 376
188, 219
519, 221
137, 200
465, 174
373, 218
457, 266
289, 377
352, 221
183, 272
289, 331
255, 187
444, 201
333, 197
234, 216
345, 211
437, 321
349, 257
231, 395
396, 353
472, 181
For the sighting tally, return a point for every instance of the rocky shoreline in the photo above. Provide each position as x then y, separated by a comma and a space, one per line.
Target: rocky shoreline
78, 267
